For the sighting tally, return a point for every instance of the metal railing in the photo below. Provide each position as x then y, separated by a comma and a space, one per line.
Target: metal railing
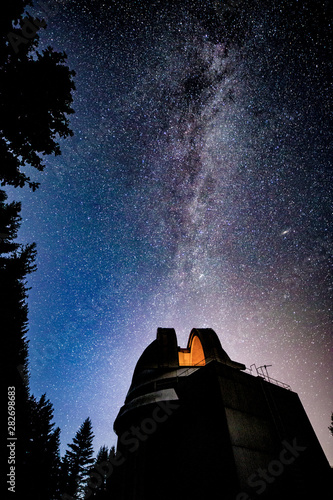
262, 372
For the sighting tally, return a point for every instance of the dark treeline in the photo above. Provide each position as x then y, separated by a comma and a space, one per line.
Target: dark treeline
38, 470
35, 101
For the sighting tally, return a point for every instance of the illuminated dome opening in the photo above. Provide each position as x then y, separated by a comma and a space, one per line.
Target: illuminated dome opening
193, 355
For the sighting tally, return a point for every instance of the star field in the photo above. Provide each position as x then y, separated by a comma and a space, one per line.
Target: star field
196, 192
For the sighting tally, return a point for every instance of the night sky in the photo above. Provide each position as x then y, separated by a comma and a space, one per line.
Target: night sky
195, 192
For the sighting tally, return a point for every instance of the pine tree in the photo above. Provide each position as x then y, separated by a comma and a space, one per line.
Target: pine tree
78, 462
100, 481
35, 99
35, 95
64, 472
16, 262
99, 474
43, 452
110, 478
102, 454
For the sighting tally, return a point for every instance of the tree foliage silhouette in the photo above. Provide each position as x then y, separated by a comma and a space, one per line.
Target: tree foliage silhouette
43, 453
100, 478
78, 461
35, 98
16, 262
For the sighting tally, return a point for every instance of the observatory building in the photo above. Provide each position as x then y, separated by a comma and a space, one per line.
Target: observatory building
196, 424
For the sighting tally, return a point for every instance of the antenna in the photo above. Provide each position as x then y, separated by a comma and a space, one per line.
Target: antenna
262, 373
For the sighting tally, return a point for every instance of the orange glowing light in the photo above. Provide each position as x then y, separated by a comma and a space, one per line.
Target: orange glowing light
194, 355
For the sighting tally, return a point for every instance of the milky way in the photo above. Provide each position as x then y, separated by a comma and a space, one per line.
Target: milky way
196, 192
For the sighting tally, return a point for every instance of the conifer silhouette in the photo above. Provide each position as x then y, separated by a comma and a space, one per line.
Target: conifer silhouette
35, 96
78, 461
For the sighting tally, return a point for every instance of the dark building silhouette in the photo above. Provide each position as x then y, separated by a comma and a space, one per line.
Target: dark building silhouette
196, 425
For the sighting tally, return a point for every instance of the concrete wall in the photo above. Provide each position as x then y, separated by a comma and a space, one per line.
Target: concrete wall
231, 437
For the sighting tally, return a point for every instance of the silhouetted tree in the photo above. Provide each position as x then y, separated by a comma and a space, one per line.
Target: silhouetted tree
103, 468
64, 478
97, 482
35, 99
109, 479
331, 426
16, 262
43, 455
78, 462
102, 454
35, 95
